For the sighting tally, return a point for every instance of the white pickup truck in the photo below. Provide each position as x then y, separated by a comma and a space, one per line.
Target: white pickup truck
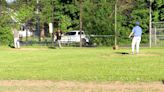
74, 37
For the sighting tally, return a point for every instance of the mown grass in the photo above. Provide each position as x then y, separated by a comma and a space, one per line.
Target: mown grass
82, 64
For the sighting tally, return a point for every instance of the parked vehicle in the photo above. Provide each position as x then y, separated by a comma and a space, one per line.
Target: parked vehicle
74, 37
25, 33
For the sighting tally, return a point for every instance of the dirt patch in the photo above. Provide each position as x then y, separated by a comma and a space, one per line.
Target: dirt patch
68, 86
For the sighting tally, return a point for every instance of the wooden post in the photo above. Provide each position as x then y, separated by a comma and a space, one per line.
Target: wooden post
52, 20
115, 28
150, 25
155, 34
81, 23
115, 36
0, 7
38, 20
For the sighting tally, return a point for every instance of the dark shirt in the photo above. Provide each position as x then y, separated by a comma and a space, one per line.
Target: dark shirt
58, 35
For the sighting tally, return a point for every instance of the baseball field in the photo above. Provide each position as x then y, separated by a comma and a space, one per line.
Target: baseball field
69, 69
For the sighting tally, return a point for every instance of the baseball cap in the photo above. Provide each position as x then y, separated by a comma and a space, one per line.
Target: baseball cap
137, 23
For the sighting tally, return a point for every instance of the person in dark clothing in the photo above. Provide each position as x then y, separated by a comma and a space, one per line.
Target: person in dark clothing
58, 35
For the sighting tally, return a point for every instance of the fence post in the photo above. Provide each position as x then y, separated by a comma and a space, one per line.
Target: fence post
81, 21
155, 34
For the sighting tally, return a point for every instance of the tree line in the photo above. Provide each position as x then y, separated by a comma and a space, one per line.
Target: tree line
97, 16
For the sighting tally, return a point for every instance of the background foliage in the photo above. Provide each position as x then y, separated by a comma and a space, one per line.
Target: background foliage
98, 16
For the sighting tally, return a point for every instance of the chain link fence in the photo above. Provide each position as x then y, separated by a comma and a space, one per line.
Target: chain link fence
31, 37
157, 34
94, 40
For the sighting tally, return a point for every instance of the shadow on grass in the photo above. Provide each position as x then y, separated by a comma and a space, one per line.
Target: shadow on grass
51, 47
122, 53
11, 46
162, 81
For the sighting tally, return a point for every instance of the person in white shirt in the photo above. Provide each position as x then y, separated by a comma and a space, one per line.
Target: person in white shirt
16, 38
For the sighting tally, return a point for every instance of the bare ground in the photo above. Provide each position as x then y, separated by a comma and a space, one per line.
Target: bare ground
70, 86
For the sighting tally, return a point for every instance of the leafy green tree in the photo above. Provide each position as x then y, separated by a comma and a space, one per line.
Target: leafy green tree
6, 36
158, 11
97, 15
139, 11
60, 12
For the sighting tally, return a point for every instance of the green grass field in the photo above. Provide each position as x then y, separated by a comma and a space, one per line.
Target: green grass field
82, 64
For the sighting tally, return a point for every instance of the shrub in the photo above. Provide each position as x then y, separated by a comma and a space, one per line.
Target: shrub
6, 37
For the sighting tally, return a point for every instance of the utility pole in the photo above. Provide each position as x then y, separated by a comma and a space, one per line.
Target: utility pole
52, 21
0, 7
81, 23
150, 24
38, 20
115, 27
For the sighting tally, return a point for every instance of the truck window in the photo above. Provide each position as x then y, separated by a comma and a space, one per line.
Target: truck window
70, 33
81, 33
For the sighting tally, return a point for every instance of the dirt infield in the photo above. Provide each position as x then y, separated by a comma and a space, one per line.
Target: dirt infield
67, 86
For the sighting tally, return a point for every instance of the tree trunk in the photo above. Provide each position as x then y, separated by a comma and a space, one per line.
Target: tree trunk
0, 7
